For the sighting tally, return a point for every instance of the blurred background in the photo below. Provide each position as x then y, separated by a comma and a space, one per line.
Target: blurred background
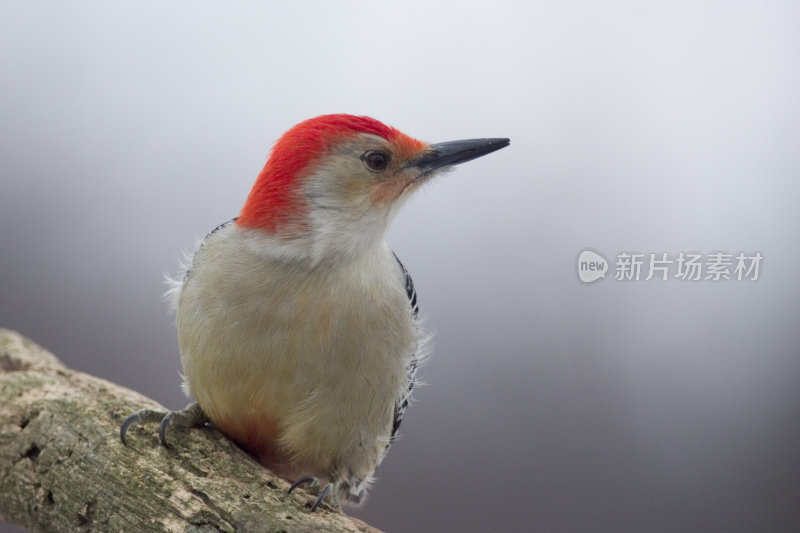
127, 131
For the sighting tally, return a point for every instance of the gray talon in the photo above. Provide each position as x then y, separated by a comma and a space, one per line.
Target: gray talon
311, 480
191, 416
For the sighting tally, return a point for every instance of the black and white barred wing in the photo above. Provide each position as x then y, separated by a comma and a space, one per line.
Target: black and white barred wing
405, 398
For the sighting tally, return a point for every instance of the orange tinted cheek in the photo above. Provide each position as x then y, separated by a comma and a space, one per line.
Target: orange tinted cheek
389, 190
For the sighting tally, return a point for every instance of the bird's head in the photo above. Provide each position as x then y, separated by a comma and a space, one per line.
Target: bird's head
340, 179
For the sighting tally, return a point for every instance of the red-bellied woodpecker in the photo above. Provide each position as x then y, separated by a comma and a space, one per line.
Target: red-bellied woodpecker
297, 325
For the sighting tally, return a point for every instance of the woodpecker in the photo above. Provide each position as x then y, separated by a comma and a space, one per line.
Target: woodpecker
298, 327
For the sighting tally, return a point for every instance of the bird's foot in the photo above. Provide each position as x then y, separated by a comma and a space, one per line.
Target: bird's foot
315, 487
191, 416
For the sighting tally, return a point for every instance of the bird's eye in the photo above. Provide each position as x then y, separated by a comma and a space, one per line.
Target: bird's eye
375, 161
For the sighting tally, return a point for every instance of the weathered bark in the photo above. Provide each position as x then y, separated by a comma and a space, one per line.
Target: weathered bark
63, 467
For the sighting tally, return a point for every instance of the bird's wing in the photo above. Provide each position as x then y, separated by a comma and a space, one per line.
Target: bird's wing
188, 266
402, 402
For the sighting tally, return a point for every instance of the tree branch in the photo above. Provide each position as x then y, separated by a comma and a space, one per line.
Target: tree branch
63, 467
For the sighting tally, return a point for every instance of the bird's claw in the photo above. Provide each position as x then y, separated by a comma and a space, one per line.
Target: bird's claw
139, 417
191, 416
312, 480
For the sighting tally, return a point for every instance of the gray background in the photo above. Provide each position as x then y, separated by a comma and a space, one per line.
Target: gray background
129, 131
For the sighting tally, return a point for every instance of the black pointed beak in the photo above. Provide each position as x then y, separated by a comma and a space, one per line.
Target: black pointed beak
454, 152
